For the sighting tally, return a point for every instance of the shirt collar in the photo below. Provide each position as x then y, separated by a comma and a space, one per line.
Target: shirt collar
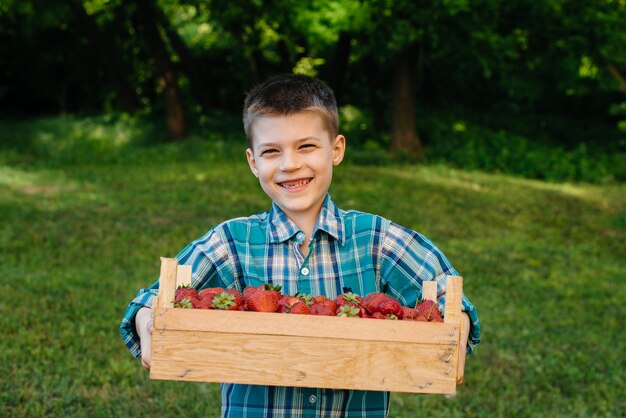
281, 228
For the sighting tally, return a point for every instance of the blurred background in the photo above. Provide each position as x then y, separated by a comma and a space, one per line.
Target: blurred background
536, 89
496, 128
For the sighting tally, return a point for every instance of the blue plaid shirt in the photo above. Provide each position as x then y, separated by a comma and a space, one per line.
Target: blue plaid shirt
349, 249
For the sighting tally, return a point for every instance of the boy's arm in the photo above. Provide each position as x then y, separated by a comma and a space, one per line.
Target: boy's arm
408, 259
143, 324
207, 255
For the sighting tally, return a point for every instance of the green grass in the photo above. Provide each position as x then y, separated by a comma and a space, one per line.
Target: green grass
543, 262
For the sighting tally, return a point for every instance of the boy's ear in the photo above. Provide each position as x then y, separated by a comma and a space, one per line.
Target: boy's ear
252, 162
339, 149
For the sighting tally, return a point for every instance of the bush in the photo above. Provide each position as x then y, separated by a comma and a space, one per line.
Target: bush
461, 143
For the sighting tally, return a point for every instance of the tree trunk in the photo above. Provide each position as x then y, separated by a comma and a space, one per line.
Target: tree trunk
403, 125
109, 59
339, 64
618, 77
175, 115
200, 90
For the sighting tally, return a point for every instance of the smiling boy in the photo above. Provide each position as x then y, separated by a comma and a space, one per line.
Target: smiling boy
304, 243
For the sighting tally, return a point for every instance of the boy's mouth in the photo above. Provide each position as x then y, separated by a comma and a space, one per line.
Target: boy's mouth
294, 184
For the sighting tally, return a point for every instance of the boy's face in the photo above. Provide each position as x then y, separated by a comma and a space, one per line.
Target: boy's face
293, 157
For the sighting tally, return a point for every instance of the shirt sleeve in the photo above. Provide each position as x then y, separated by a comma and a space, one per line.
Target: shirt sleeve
409, 258
211, 264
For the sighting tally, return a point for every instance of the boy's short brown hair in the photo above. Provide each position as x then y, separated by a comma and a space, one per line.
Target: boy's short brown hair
286, 94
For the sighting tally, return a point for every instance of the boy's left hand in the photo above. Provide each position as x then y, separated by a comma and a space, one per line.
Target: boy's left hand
465, 327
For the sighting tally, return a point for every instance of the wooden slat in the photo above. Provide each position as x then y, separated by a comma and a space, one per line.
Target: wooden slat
200, 320
454, 294
183, 275
167, 282
429, 291
303, 361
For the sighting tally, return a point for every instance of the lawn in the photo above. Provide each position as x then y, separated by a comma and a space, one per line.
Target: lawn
545, 264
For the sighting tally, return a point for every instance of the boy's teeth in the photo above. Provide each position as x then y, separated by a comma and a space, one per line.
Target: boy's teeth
293, 185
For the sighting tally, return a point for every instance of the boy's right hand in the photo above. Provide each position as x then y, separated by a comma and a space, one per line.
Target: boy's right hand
144, 326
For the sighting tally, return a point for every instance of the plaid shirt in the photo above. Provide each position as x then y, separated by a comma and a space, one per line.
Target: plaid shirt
348, 250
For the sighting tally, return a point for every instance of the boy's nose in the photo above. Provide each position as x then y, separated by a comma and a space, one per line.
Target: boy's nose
290, 161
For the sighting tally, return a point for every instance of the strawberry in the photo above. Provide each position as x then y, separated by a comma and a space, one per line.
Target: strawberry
323, 309
408, 313
319, 299
300, 308
308, 299
348, 310
327, 304
185, 292
224, 301
263, 300
275, 288
385, 304
349, 298
186, 303
286, 302
205, 303
389, 306
377, 315
429, 310
210, 291
238, 299
370, 301
247, 291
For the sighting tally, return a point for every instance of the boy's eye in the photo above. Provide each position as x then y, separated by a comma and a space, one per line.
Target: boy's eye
307, 146
269, 151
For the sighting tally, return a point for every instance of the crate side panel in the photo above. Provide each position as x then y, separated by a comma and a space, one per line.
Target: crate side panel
304, 325
311, 362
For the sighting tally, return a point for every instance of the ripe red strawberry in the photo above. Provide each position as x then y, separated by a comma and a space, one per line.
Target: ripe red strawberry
308, 299
428, 309
323, 309
349, 298
286, 302
378, 315
186, 303
210, 291
205, 303
370, 301
300, 308
263, 301
348, 310
389, 306
327, 304
408, 313
224, 301
238, 299
319, 298
275, 288
185, 292
247, 291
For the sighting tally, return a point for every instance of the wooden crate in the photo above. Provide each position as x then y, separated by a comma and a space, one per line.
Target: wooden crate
304, 350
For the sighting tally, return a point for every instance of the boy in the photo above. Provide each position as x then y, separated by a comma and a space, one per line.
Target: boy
304, 243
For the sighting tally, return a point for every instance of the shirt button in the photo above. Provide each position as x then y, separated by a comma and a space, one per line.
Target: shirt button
312, 398
304, 271
300, 235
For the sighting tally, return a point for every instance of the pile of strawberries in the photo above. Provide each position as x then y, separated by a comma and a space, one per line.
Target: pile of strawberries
267, 298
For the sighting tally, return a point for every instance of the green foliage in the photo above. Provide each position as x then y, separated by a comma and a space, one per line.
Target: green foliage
508, 146
543, 262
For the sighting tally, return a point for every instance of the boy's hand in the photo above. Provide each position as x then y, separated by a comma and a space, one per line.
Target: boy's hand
465, 326
144, 326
